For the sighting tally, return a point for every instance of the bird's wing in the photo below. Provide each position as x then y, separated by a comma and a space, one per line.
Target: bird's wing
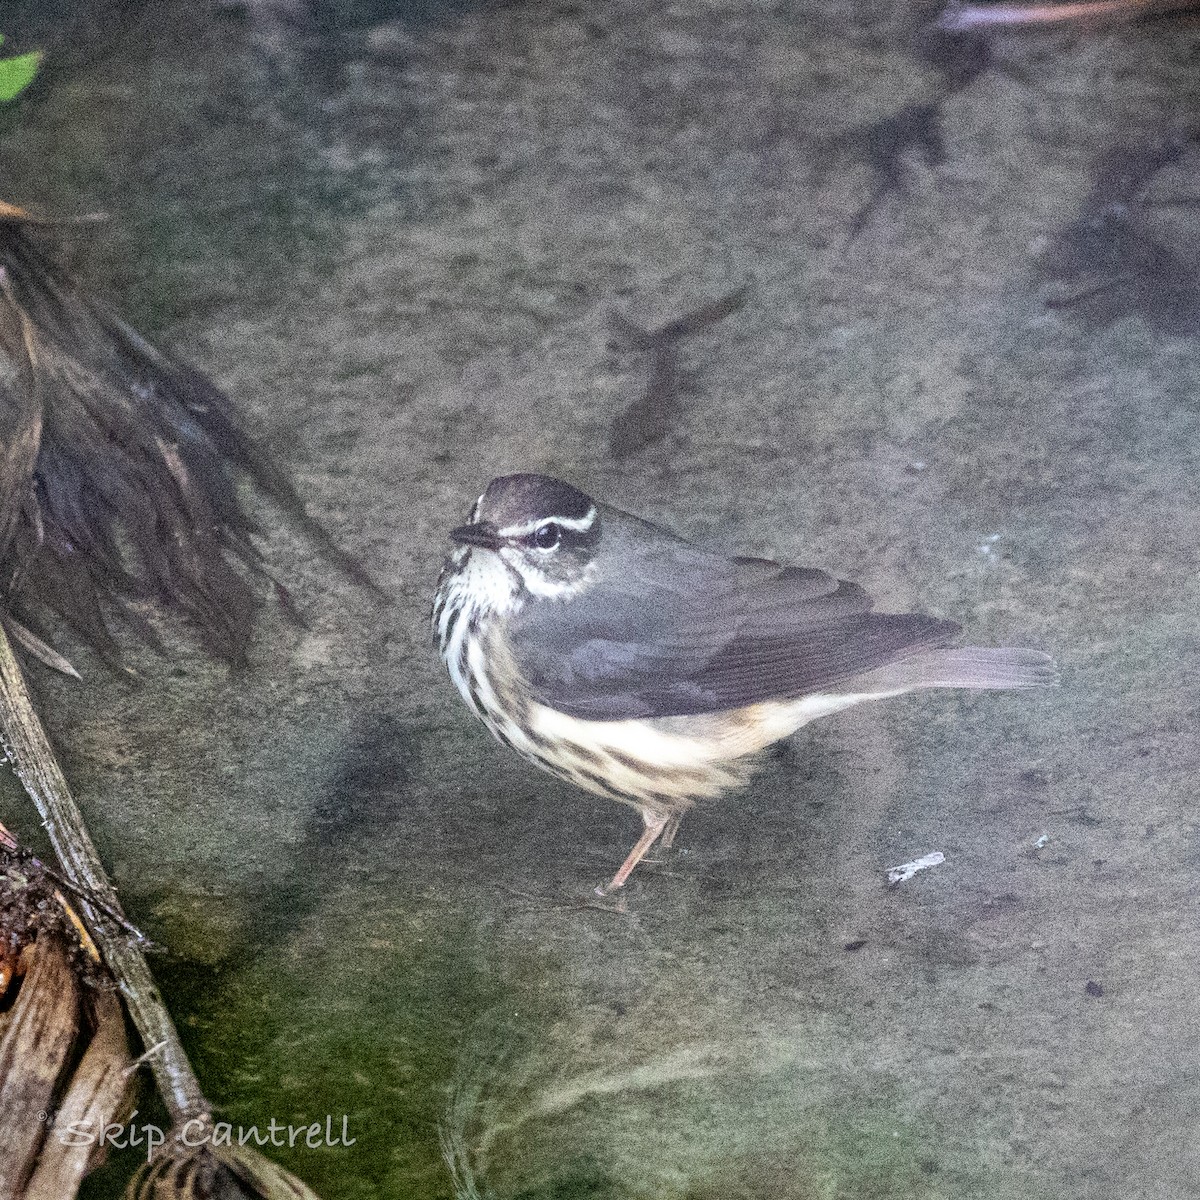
707, 634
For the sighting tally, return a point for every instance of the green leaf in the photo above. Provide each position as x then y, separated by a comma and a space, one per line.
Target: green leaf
16, 74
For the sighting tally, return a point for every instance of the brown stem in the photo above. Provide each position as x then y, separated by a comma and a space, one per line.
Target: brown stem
961, 18
29, 751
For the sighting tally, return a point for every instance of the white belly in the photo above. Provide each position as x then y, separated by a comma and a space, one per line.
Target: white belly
660, 764
679, 758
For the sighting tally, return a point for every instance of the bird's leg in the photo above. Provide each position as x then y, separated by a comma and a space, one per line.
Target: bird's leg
668, 836
654, 826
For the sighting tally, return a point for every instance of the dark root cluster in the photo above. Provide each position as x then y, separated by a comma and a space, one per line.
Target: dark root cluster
118, 467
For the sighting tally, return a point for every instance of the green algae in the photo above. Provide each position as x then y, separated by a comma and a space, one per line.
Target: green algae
357, 1025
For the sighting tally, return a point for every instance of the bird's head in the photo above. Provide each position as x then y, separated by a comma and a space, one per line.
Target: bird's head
528, 534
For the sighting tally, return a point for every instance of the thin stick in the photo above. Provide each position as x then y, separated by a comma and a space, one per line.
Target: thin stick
29, 751
19, 853
961, 18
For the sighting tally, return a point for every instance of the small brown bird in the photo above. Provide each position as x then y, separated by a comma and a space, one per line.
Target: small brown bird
640, 667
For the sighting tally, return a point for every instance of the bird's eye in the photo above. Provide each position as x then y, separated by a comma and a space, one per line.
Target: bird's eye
547, 536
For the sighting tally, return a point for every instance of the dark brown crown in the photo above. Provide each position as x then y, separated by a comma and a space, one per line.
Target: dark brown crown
516, 499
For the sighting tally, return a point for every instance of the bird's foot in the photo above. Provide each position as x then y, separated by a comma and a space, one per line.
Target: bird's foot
597, 901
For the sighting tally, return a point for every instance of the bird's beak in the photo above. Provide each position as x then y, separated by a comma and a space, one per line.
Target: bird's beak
484, 534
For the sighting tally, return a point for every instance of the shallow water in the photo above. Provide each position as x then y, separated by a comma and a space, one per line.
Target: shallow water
396, 235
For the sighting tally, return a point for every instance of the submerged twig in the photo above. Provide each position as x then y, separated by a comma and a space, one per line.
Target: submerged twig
652, 415
1111, 260
886, 143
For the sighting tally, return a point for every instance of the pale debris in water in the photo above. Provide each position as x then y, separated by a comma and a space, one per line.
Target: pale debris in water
907, 870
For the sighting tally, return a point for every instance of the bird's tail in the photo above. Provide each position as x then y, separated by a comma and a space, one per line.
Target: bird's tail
967, 667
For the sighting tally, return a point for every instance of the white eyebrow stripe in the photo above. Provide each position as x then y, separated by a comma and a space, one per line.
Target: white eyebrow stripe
578, 524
